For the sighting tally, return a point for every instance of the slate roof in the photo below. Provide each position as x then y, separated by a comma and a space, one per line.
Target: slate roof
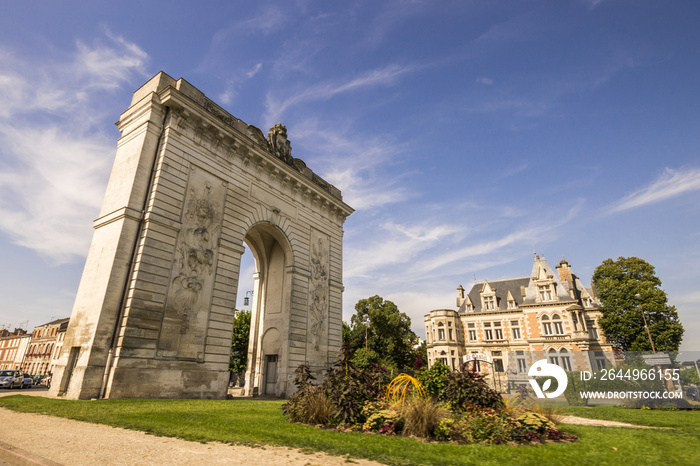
502, 287
524, 289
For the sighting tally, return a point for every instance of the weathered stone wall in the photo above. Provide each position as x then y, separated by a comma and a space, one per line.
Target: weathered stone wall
190, 186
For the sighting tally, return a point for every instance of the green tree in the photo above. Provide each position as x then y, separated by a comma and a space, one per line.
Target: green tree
346, 333
238, 360
617, 282
389, 333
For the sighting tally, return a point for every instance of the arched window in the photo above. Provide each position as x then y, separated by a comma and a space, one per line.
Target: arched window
558, 327
565, 361
553, 356
546, 325
441, 331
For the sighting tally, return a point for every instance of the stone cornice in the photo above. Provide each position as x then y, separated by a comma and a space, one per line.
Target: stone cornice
230, 138
124, 212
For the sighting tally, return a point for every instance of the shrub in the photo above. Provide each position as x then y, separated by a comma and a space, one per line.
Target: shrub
318, 406
467, 389
434, 380
364, 358
382, 417
484, 426
535, 422
297, 407
349, 389
422, 416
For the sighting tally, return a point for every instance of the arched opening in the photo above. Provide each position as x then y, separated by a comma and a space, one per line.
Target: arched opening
269, 306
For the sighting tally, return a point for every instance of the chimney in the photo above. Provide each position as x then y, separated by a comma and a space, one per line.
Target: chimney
564, 271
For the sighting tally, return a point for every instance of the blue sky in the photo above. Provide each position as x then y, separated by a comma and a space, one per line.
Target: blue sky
465, 134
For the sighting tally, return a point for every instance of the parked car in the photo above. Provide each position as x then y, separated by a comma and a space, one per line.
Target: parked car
11, 378
28, 379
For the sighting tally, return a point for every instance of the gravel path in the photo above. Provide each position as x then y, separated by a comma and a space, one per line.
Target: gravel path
583, 421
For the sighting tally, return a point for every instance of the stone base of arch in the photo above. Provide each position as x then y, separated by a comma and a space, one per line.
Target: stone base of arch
190, 188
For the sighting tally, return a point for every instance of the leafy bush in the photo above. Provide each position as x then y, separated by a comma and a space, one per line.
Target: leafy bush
350, 388
382, 417
365, 358
467, 389
480, 426
434, 380
536, 422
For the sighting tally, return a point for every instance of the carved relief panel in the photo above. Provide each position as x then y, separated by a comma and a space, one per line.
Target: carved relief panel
184, 326
318, 289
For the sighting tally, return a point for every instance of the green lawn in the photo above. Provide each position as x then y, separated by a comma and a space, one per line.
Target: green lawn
255, 422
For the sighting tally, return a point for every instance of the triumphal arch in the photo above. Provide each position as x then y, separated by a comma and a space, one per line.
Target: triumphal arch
191, 187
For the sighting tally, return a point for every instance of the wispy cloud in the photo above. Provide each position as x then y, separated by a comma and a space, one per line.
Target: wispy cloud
54, 151
358, 166
477, 248
399, 244
670, 184
269, 20
233, 84
484, 80
274, 108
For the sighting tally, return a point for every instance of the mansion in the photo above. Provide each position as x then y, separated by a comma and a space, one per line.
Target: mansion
505, 325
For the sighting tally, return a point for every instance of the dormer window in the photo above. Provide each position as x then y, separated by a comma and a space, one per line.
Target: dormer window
545, 292
488, 298
511, 300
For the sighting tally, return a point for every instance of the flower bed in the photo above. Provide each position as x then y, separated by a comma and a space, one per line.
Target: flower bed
440, 405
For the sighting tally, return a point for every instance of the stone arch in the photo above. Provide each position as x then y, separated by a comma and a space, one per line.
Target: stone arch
191, 185
273, 255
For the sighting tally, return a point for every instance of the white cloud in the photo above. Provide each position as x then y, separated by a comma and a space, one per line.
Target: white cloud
355, 165
254, 71
484, 80
274, 108
670, 184
232, 84
108, 66
54, 150
397, 244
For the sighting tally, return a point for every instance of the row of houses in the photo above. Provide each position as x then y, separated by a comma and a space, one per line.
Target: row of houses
34, 353
505, 325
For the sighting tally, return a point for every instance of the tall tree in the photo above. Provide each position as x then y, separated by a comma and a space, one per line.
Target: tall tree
238, 361
389, 334
617, 282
